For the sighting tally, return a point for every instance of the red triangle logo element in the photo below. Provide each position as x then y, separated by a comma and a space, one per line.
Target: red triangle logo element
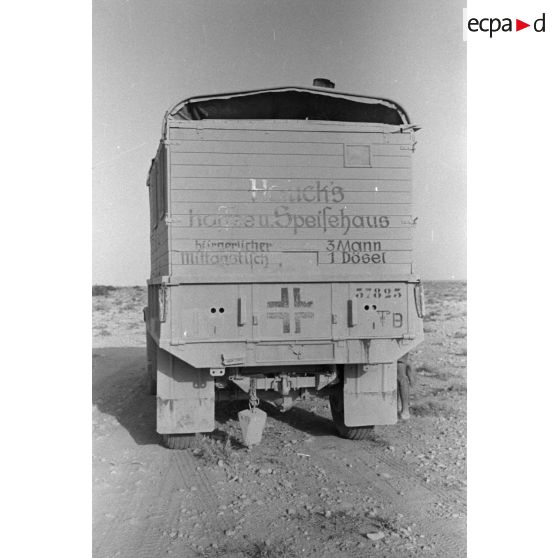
519, 25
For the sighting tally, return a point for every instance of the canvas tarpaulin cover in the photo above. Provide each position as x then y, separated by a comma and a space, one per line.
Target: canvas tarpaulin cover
291, 104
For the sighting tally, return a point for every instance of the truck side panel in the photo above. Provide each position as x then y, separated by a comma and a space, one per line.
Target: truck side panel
158, 185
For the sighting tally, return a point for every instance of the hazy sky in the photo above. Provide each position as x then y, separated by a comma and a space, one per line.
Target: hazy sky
149, 54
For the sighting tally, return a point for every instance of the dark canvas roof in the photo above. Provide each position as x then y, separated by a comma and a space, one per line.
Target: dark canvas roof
291, 103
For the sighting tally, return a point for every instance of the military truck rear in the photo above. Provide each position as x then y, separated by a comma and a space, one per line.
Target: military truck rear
281, 256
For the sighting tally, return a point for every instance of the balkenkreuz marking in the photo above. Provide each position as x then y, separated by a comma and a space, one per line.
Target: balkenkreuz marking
289, 314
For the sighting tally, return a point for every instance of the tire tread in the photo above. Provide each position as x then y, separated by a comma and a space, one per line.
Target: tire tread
356, 433
178, 441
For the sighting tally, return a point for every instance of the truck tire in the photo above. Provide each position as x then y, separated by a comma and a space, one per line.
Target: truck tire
178, 441
338, 416
151, 365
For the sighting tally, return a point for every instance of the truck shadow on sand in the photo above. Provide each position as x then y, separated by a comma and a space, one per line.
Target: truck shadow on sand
299, 419
303, 420
120, 389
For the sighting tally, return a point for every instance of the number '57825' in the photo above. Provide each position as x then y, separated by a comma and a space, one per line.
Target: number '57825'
371, 292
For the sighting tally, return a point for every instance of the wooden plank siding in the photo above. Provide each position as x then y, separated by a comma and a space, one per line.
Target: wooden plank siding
268, 207
303, 172
278, 147
368, 186
306, 133
275, 160
236, 192
160, 251
286, 201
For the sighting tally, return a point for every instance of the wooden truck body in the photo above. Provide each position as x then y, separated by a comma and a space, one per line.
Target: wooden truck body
281, 255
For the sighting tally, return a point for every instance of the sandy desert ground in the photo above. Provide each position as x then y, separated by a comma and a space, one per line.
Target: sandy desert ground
303, 491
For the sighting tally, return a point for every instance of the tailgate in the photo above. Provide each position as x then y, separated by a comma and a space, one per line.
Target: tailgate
279, 201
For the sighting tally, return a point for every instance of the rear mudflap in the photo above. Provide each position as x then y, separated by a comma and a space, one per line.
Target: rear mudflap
370, 394
185, 397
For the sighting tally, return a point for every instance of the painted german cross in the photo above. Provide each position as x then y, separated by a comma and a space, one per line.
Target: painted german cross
287, 312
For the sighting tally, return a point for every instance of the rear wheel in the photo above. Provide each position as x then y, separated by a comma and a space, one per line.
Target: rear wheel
151, 365
178, 441
338, 415
152, 385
